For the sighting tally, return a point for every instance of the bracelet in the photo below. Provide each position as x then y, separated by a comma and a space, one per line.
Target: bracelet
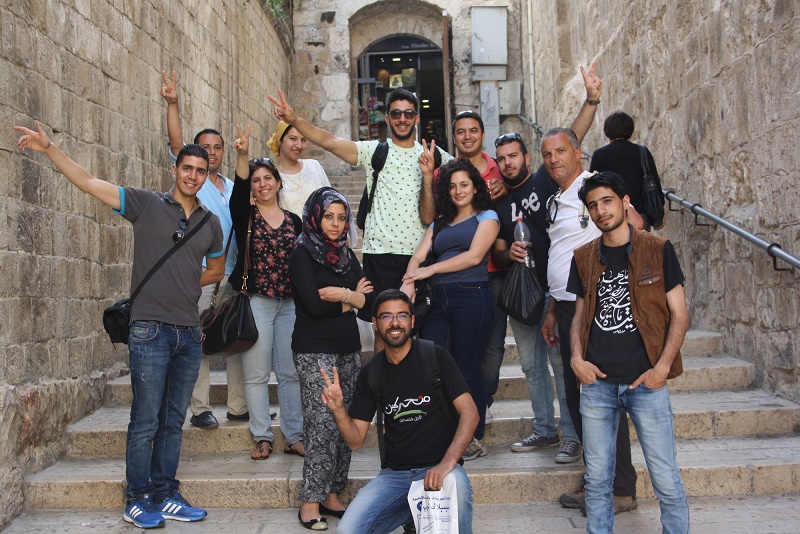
508, 255
346, 298
592, 102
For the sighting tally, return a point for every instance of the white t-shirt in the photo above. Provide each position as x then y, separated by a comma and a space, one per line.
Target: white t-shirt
393, 225
566, 234
297, 187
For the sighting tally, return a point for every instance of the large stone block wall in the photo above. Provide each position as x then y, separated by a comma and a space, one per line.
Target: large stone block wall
89, 70
713, 88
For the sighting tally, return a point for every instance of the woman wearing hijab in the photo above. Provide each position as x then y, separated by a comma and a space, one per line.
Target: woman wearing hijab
272, 233
331, 287
300, 177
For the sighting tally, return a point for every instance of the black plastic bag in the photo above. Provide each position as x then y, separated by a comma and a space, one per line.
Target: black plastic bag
522, 296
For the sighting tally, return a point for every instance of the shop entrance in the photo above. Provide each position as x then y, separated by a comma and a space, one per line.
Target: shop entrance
411, 63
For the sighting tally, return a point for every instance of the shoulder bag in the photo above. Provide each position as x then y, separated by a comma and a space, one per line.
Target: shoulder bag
230, 328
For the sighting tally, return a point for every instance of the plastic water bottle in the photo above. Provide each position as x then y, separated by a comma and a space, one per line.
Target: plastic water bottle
523, 233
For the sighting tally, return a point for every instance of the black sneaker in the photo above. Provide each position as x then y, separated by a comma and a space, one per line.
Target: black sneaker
570, 451
205, 420
535, 441
243, 417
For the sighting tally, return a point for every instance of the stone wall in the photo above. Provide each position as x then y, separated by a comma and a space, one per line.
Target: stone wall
713, 88
330, 35
90, 72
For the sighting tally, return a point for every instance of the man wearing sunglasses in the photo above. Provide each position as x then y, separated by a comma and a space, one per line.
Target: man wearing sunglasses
403, 205
216, 196
164, 343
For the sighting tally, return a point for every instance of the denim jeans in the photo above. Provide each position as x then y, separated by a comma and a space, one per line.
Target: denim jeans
460, 322
652, 416
272, 352
164, 361
496, 346
533, 356
382, 505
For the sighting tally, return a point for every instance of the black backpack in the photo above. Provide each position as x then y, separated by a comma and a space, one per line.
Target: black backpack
377, 162
652, 195
427, 352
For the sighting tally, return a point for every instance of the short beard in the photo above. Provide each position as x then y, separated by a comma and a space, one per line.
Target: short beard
402, 137
619, 223
392, 343
521, 176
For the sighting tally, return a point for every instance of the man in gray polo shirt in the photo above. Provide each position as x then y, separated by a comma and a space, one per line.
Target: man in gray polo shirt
164, 343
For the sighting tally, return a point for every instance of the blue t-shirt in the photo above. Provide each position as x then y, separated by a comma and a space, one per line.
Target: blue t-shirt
454, 239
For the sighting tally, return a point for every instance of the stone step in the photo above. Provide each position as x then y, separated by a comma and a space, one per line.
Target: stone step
776, 514
701, 373
710, 467
697, 415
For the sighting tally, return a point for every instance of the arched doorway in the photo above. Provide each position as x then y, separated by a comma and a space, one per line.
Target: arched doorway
407, 62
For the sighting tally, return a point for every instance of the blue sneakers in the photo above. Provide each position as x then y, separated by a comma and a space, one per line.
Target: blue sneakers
176, 507
143, 513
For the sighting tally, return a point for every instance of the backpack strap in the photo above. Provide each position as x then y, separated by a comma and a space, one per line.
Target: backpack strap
427, 351
374, 383
377, 162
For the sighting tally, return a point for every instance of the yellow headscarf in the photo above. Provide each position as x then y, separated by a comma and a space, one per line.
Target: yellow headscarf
274, 142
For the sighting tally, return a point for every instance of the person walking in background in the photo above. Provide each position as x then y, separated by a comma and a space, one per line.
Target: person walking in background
625, 158
164, 343
300, 177
271, 233
461, 318
629, 324
216, 196
328, 286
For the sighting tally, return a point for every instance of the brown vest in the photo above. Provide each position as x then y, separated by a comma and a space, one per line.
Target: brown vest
646, 286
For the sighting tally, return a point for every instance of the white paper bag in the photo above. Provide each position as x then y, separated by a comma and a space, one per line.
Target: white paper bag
434, 512
367, 336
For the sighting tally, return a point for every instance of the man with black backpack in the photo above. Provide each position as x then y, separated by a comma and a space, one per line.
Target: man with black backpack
402, 203
429, 423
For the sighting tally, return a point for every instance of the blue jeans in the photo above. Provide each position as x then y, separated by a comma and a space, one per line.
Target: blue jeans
382, 505
460, 322
651, 412
496, 346
533, 356
164, 362
272, 352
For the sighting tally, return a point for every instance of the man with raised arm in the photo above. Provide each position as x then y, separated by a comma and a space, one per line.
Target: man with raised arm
164, 343
424, 439
403, 204
629, 324
215, 195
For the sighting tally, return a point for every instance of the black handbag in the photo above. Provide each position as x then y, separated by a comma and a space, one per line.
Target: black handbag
652, 194
230, 328
522, 296
117, 317
424, 289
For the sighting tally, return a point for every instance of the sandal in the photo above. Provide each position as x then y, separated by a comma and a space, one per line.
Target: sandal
262, 452
297, 448
314, 524
329, 511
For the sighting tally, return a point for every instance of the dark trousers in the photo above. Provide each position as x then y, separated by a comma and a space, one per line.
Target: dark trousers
625, 474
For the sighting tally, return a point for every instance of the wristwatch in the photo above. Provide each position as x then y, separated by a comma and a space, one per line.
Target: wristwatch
592, 102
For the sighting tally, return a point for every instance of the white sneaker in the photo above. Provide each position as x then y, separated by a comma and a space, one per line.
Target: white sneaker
489, 417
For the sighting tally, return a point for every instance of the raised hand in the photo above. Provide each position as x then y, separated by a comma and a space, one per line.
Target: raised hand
332, 396
593, 83
242, 142
283, 111
36, 141
426, 162
169, 91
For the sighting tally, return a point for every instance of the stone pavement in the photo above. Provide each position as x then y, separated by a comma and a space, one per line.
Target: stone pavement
773, 514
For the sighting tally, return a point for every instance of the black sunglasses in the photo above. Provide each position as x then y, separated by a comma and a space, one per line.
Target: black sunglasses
552, 207
397, 113
507, 138
178, 236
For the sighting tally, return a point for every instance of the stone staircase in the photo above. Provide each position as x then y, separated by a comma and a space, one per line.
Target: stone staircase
733, 440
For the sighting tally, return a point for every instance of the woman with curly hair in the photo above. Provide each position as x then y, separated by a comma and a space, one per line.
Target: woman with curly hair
461, 318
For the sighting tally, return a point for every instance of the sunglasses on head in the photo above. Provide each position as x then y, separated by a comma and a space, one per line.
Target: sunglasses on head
507, 138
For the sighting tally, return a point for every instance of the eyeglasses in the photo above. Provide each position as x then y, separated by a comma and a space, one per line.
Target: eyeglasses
407, 113
507, 138
552, 207
388, 317
178, 236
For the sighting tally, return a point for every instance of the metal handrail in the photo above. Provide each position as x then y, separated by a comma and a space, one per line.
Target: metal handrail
773, 249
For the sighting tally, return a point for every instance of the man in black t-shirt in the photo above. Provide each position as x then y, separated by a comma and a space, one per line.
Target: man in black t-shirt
629, 324
421, 443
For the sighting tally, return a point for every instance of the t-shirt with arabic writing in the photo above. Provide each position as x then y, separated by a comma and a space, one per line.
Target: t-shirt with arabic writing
417, 432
